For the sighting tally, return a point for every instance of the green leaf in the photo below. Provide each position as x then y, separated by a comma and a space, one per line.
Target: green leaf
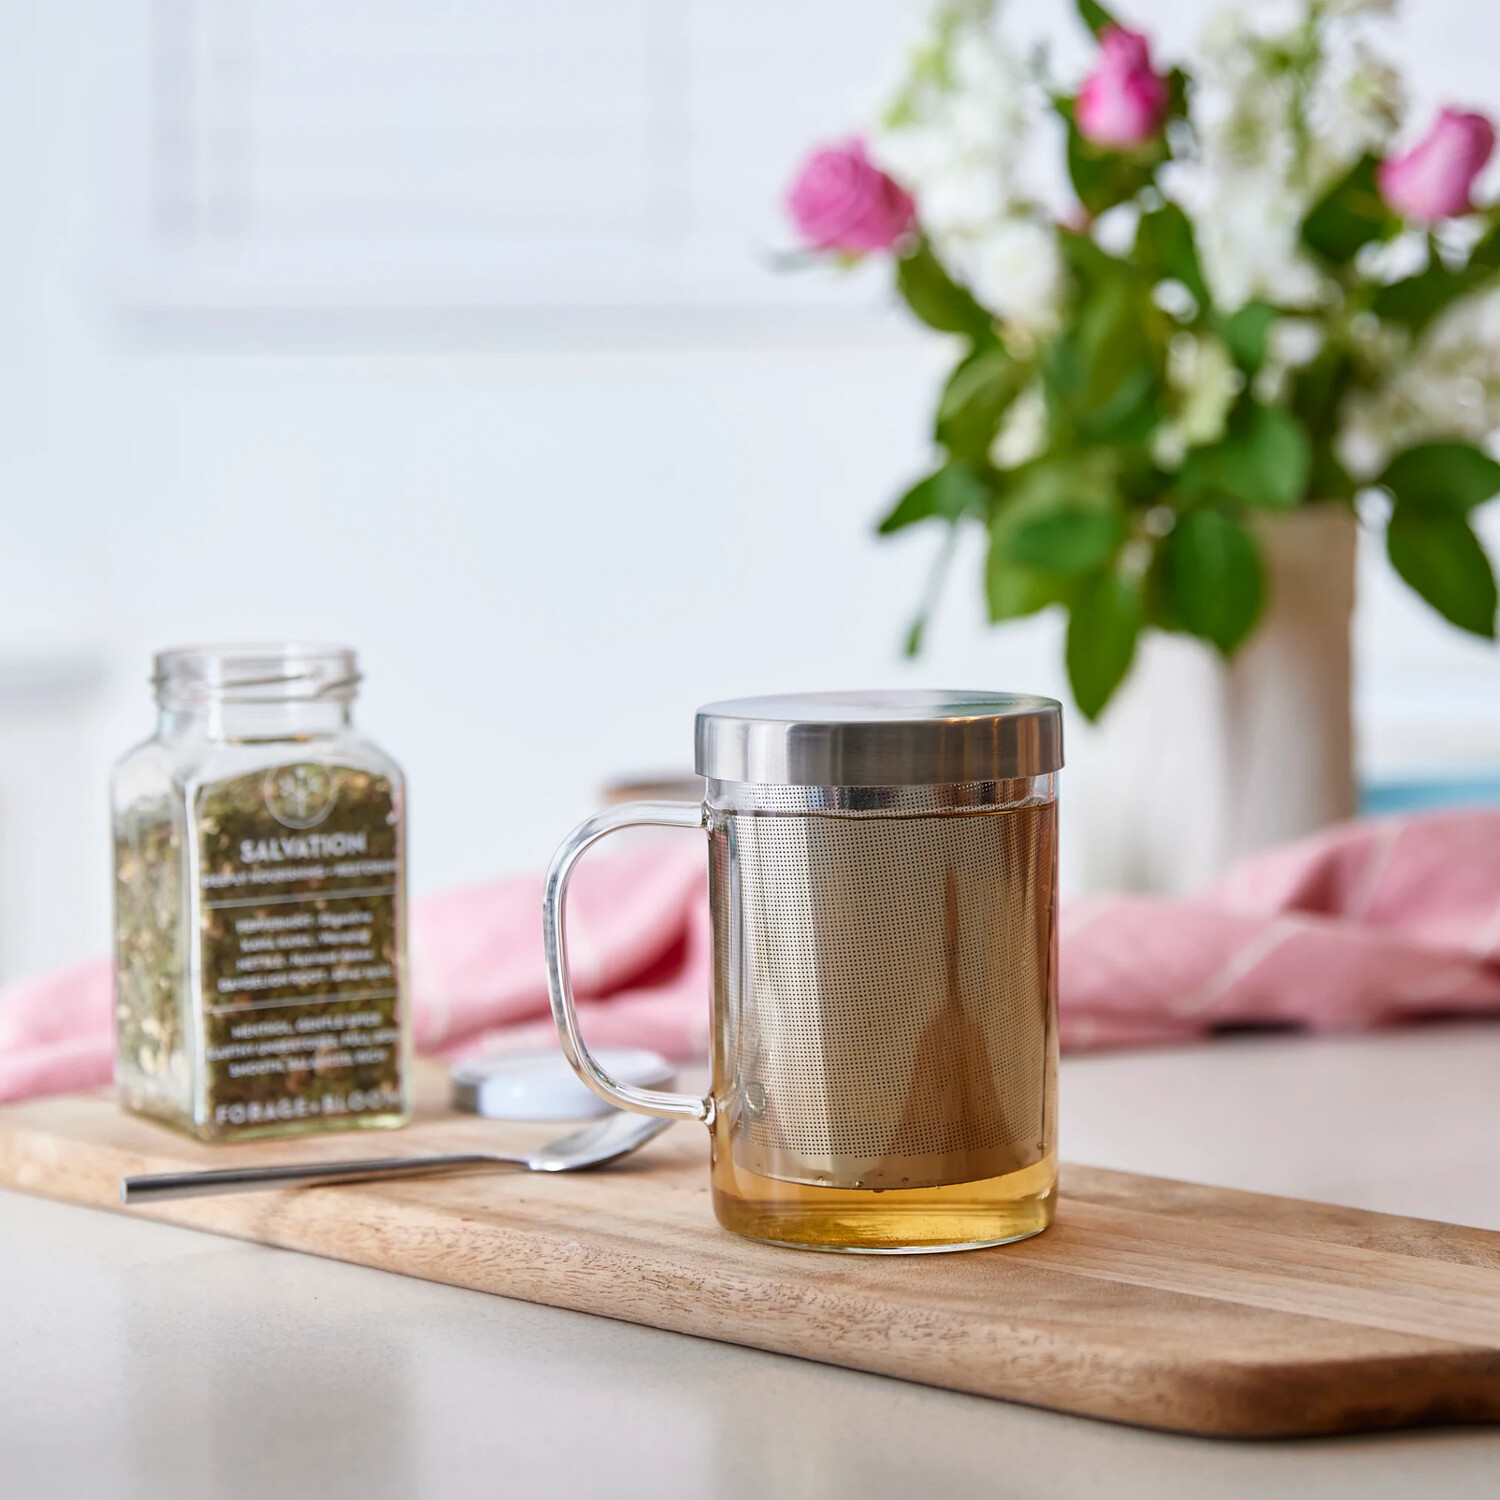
1047, 486
1177, 94
1318, 390
1100, 374
1103, 177
1416, 300
1094, 16
961, 491
1157, 609
1329, 479
1140, 483
949, 493
1164, 246
1440, 557
1088, 260
1485, 256
1103, 623
1452, 477
1349, 215
1247, 333
1212, 577
1110, 331
1012, 590
1072, 541
1130, 414
978, 392
938, 300
1041, 491
919, 503
1263, 461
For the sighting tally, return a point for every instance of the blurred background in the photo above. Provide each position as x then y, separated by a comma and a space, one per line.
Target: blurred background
455, 331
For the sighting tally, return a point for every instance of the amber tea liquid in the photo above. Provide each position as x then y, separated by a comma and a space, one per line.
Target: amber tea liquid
899, 1220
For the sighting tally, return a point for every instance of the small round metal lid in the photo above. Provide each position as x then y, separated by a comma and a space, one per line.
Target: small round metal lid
879, 738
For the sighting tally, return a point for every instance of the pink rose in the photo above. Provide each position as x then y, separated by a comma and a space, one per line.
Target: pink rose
1433, 180
1122, 102
842, 201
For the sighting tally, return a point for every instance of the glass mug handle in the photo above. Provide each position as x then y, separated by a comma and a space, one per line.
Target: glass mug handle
554, 902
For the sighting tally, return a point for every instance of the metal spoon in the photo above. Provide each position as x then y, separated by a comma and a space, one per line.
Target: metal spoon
596, 1145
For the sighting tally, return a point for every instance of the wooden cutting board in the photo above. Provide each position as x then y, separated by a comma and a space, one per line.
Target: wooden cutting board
1161, 1303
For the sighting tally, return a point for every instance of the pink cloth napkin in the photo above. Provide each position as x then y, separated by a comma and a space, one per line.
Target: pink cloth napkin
1362, 925
1365, 924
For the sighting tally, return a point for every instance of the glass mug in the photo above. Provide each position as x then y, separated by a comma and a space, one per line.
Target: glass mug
883, 888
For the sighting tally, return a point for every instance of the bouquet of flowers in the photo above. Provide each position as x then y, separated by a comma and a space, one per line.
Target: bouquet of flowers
1220, 293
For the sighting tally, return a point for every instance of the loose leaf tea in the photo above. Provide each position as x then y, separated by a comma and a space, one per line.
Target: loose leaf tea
149, 958
259, 954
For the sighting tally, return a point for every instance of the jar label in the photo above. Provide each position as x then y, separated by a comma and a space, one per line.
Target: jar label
300, 885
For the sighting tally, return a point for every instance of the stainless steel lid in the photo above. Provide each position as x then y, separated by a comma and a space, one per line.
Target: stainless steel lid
879, 739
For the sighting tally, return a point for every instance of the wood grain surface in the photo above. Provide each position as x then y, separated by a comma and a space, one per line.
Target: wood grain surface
1175, 1306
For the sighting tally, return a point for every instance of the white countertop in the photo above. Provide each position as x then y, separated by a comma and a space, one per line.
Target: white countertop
140, 1360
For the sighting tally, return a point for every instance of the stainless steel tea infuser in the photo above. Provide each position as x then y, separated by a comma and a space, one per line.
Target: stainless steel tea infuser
882, 882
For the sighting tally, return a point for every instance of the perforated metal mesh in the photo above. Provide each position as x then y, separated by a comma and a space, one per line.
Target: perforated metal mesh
885, 992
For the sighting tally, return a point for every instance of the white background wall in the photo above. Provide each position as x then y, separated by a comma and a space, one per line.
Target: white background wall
546, 558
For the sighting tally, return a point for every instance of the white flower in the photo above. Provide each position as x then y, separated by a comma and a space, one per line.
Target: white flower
956, 137
1449, 387
1290, 344
1023, 430
1248, 240
1294, 342
1354, 106
1203, 381
1282, 112
960, 198
1201, 371
1013, 267
954, 133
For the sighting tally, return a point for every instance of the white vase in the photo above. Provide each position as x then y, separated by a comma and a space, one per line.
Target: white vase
1197, 761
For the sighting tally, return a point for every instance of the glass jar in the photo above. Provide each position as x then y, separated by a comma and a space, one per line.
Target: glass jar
260, 901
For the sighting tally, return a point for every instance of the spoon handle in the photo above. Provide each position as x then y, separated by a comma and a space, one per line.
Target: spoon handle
159, 1186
